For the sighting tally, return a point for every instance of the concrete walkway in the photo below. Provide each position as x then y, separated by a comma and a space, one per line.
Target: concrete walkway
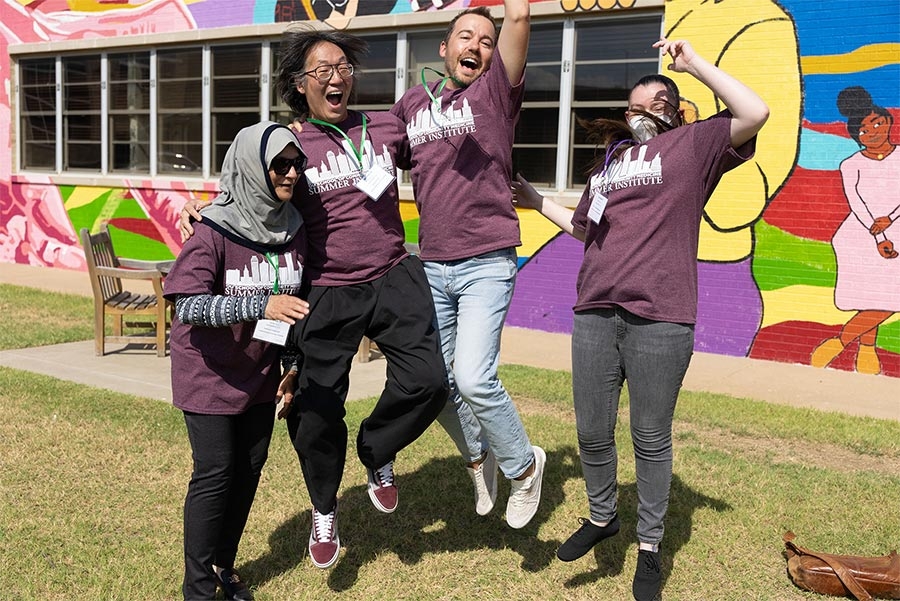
138, 371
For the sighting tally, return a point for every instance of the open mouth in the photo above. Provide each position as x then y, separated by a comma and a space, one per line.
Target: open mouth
334, 99
469, 63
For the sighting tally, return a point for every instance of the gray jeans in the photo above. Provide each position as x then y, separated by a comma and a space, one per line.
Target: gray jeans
610, 346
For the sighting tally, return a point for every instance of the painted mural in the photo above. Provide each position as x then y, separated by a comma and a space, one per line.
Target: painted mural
799, 248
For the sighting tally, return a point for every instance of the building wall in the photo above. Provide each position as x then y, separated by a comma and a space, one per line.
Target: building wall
775, 282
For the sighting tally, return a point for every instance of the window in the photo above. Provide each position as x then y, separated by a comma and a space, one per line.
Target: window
375, 78
110, 112
610, 56
129, 111
180, 111
235, 95
81, 113
38, 113
535, 150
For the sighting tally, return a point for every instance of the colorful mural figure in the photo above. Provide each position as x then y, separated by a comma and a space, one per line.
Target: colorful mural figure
794, 257
757, 43
868, 274
40, 218
796, 264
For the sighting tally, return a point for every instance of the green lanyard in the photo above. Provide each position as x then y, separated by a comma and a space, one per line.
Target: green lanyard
357, 152
273, 261
440, 87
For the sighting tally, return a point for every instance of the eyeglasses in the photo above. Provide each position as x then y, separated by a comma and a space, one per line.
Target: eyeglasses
282, 165
324, 73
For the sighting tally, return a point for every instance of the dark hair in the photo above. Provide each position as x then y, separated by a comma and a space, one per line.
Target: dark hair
481, 11
609, 133
855, 103
296, 44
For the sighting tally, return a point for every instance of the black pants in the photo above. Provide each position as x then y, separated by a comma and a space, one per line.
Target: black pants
397, 312
229, 452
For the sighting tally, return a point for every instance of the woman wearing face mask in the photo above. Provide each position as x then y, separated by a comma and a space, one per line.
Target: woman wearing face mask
639, 218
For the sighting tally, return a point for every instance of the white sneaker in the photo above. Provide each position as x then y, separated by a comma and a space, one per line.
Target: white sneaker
525, 495
484, 477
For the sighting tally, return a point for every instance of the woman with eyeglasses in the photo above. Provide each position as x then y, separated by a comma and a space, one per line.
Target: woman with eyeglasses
639, 219
236, 286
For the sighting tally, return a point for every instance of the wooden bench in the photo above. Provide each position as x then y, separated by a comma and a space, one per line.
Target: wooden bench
147, 312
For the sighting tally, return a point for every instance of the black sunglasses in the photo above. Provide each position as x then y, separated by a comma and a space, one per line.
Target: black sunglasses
282, 165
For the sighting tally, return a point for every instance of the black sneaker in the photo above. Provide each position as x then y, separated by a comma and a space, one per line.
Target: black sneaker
647, 576
585, 538
232, 585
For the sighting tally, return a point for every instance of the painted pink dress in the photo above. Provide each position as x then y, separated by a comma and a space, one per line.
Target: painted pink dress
865, 279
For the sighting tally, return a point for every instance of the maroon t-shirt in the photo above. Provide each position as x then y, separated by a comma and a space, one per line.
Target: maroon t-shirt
462, 164
224, 370
352, 238
642, 255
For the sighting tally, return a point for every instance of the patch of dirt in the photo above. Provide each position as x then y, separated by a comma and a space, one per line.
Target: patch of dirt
775, 450
780, 450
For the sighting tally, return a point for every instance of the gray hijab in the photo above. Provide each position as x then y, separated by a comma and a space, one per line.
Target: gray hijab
247, 205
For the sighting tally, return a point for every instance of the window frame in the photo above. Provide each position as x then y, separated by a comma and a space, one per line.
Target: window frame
269, 106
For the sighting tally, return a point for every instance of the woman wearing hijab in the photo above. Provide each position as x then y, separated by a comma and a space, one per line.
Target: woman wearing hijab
235, 286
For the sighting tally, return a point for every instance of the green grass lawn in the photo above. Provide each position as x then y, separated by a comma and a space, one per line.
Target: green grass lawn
92, 485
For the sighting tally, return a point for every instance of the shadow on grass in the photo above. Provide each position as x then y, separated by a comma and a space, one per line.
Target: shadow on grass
436, 514
610, 554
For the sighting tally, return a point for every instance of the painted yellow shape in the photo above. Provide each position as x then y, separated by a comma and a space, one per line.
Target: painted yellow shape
739, 36
84, 195
536, 231
805, 303
861, 59
408, 211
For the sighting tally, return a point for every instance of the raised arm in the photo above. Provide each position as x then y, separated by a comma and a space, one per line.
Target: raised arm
526, 197
514, 34
750, 112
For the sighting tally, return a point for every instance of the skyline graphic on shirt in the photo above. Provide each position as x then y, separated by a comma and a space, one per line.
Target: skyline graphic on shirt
340, 169
625, 172
428, 124
259, 277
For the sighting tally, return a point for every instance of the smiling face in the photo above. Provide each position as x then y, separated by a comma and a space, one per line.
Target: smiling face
284, 184
327, 101
467, 52
874, 130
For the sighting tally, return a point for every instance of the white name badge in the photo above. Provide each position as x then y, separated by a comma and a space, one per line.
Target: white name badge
598, 205
272, 330
375, 181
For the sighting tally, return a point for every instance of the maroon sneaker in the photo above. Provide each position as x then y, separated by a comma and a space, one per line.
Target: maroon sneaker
382, 489
324, 543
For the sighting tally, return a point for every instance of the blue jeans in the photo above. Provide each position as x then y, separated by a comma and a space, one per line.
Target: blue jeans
471, 300
610, 346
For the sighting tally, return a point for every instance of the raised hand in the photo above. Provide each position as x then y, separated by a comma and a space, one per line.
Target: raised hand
681, 51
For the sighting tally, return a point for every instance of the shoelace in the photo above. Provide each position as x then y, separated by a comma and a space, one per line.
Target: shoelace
385, 474
322, 522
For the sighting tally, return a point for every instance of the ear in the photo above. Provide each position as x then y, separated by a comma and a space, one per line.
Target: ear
442, 52
298, 83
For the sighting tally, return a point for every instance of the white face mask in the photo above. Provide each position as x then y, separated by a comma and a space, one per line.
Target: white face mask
643, 128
